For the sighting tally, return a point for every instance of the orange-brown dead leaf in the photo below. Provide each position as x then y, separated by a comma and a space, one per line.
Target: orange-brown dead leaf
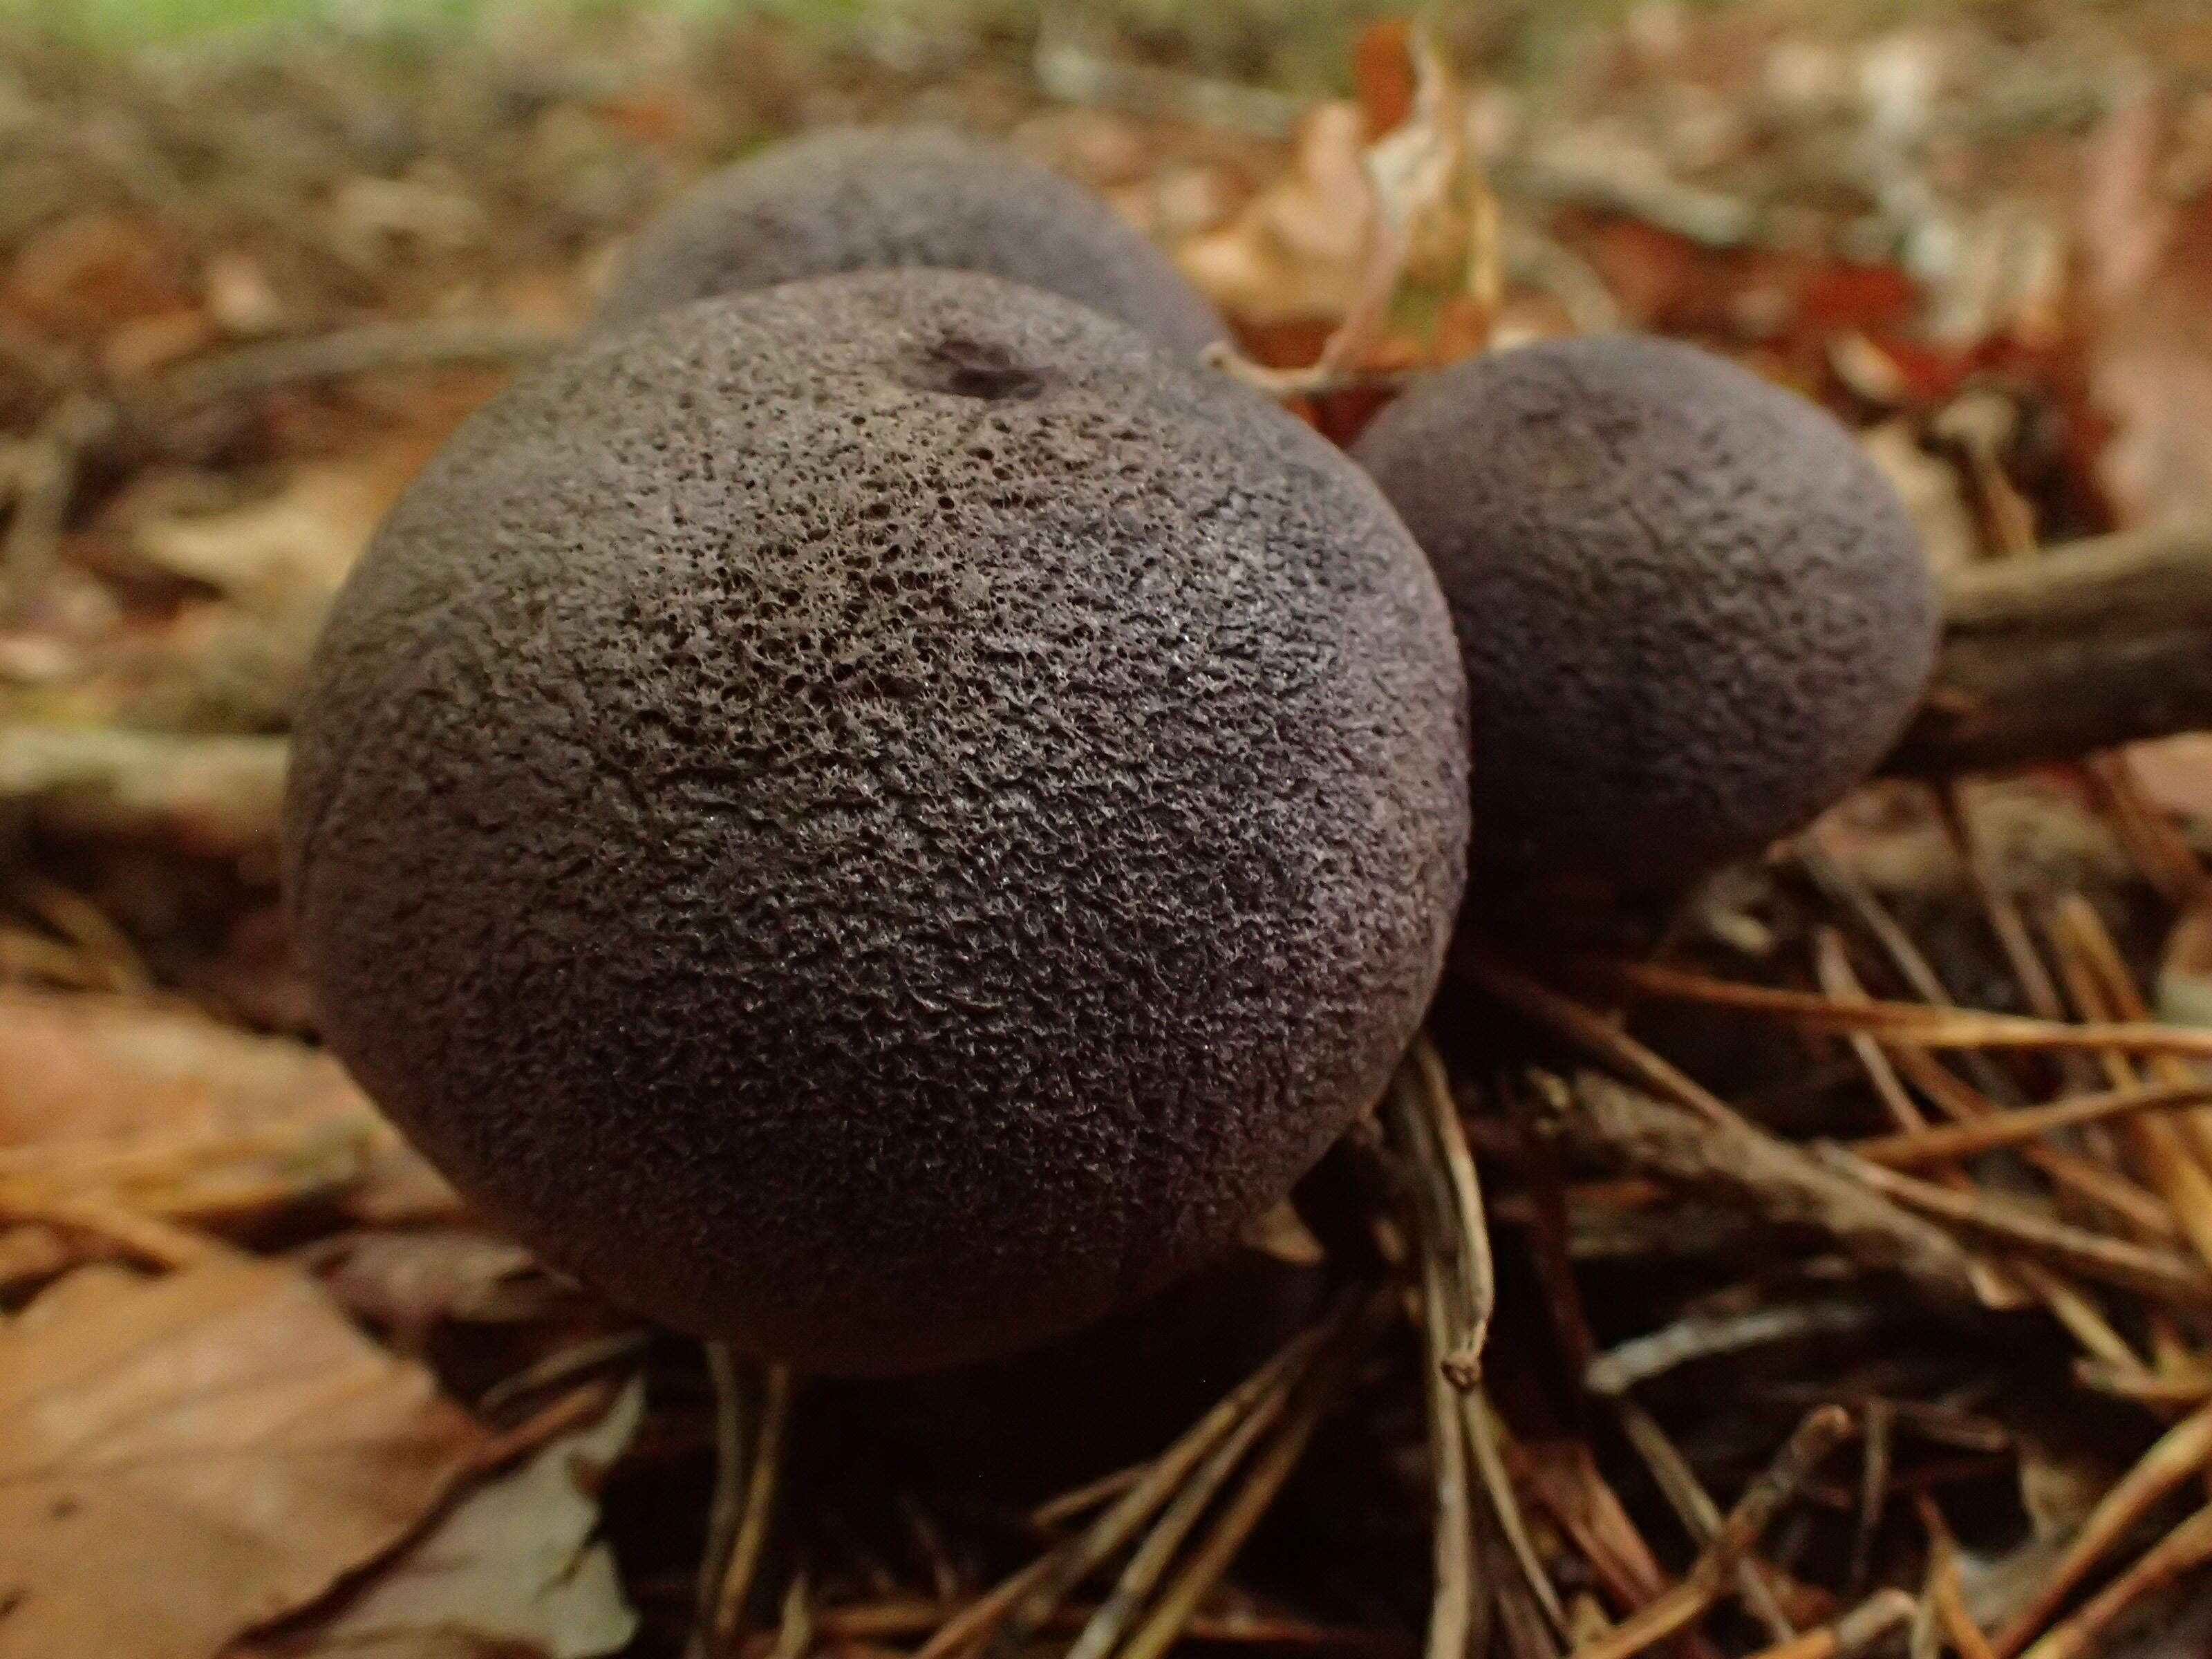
185, 1458
167, 1109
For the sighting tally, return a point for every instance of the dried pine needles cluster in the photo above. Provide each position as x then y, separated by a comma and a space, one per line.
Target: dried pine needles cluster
1822, 1268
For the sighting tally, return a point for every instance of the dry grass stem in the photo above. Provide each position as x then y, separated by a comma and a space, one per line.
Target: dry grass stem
1485, 1437
1057, 1574
1084, 1498
1952, 1142
1155, 1553
1165, 1624
1833, 965
752, 1411
1598, 1037
1446, 1193
1452, 1601
1694, 1507
1899, 1022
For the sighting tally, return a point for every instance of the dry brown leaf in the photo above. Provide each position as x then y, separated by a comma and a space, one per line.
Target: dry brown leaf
169, 1108
1295, 251
410, 1279
2176, 773
2152, 360
92, 1068
185, 1458
513, 1570
300, 541
1932, 492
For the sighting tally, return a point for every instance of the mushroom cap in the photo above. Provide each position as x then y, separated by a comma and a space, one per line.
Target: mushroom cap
1694, 613
868, 198
879, 819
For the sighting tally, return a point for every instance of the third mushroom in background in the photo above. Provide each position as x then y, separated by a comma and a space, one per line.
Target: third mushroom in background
1694, 614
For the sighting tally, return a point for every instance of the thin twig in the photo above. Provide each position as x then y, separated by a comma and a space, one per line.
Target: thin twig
2188, 1545
1874, 1619
1699, 1337
2084, 647
424, 343
46, 469
2181, 1453
1821, 1433
2159, 1274
1742, 1165
223, 795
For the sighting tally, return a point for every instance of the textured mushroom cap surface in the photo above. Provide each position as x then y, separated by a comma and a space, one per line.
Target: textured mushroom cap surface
866, 200
1693, 612
881, 818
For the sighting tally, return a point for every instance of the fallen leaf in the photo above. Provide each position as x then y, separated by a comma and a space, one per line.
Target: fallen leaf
513, 1569
85, 276
184, 1459
1296, 250
179, 1113
408, 1279
92, 1068
1932, 492
300, 541
2176, 773
2151, 361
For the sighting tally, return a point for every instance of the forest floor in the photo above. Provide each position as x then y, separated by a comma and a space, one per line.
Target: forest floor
1852, 1268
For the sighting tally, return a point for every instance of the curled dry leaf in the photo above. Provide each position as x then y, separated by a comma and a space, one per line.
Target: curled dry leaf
1295, 252
186, 1458
513, 1570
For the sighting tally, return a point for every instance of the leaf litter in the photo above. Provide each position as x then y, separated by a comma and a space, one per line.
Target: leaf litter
1820, 1266
186, 1457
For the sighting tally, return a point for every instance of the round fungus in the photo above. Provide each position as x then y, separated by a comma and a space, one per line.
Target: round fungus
882, 817
872, 198
1693, 612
